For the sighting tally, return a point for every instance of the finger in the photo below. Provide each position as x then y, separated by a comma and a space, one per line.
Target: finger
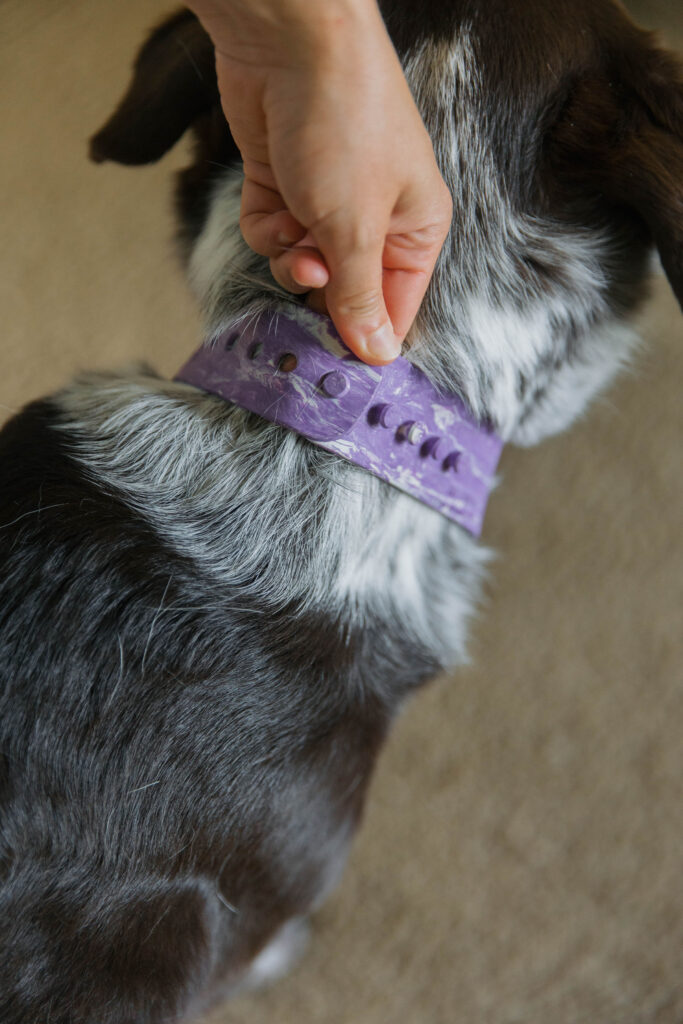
270, 234
354, 294
410, 257
283, 277
404, 291
265, 222
243, 108
299, 269
355, 302
306, 265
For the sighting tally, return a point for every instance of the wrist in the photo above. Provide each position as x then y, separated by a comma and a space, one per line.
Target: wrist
307, 28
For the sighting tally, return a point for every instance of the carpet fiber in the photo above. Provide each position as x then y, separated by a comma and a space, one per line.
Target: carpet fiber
521, 860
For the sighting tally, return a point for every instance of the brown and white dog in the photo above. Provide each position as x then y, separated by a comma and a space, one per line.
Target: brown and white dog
206, 632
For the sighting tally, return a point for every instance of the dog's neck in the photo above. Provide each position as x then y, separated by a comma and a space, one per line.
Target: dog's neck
529, 367
391, 421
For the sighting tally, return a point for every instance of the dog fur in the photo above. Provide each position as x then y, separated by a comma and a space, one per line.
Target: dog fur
207, 624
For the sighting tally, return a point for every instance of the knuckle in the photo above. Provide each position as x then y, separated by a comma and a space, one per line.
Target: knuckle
345, 234
441, 203
445, 200
363, 305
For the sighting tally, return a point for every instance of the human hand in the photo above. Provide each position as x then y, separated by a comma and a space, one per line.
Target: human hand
342, 192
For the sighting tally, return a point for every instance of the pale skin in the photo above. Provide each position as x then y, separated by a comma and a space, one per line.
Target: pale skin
342, 192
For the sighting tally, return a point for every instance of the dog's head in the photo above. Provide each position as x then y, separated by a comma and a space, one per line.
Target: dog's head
558, 127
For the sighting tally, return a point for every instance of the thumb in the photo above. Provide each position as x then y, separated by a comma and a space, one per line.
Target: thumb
355, 300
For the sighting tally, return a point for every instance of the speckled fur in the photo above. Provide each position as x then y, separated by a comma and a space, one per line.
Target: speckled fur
207, 625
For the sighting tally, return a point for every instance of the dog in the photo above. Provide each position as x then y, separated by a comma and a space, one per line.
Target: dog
207, 623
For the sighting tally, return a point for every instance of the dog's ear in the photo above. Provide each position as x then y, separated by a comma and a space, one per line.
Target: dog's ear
620, 137
173, 84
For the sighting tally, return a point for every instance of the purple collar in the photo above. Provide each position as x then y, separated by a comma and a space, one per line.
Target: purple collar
390, 420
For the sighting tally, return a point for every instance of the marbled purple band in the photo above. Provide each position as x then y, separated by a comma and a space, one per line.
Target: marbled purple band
390, 420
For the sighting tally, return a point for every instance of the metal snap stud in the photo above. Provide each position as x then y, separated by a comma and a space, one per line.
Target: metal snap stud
287, 362
411, 431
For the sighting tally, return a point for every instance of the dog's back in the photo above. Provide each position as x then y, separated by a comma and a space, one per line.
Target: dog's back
183, 765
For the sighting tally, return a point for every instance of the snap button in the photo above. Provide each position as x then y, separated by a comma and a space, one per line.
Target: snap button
385, 415
412, 432
334, 384
434, 447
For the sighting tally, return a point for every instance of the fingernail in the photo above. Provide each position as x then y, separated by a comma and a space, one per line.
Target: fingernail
383, 344
284, 240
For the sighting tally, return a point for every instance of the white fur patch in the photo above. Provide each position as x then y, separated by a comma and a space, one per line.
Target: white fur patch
277, 958
270, 515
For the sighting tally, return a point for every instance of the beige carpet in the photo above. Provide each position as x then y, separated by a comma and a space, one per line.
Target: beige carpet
522, 856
